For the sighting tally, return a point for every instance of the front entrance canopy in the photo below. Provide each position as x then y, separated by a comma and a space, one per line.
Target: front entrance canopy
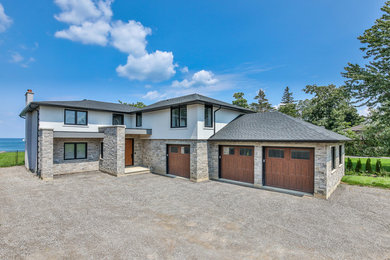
71, 134
138, 131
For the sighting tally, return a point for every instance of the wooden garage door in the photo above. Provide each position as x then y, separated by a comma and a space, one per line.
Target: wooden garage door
290, 168
179, 160
237, 163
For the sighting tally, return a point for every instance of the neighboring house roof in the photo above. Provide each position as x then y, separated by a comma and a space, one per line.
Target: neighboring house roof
81, 104
192, 99
357, 128
274, 127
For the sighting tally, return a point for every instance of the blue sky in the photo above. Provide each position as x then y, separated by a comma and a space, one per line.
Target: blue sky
151, 50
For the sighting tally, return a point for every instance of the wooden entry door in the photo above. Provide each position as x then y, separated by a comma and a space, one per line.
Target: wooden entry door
237, 163
290, 168
179, 160
129, 152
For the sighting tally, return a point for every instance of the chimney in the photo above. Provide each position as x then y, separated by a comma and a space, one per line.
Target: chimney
29, 96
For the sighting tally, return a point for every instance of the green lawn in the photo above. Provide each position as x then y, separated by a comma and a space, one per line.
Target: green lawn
382, 182
11, 159
385, 163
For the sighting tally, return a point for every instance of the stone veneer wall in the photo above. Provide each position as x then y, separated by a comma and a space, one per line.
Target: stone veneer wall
62, 166
154, 156
334, 176
325, 180
113, 161
45, 153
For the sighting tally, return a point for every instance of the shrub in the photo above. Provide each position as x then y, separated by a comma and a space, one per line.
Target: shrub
358, 166
368, 166
378, 166
349, 164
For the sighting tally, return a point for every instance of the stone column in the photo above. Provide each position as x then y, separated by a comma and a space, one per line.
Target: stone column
113, 161
320, 170
258, 168
45, 154
199, 161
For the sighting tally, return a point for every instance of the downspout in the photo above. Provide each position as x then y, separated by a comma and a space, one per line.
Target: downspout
215, 125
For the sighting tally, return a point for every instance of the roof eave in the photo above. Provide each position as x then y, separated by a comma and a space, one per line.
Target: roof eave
281, 140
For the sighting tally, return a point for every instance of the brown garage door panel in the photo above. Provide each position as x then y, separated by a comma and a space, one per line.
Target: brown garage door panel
290, 168
179, 160
236, 164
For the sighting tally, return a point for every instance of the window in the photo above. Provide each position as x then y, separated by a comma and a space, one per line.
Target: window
228, 150
179, 116
340, 154
296, 154
75, 117
101, 150
333, 151
138, 119
185, 149
117, 119
74, 151
246, 151
208, 116
174, 149
276, 153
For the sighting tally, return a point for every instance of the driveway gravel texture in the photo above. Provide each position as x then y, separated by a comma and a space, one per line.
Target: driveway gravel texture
97, 216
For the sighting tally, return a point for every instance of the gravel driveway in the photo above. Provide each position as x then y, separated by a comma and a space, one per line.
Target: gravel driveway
95, 215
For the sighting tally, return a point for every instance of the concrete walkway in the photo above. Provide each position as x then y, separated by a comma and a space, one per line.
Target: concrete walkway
96, 215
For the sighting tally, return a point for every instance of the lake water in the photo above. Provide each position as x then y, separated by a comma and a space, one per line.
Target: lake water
11, 144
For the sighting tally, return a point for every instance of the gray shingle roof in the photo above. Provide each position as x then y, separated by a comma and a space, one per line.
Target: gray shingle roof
275, 126
82, 104
192, 99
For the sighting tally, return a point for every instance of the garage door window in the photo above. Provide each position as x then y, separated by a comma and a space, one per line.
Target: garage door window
185, 150
276, 153
303, 155
246, 151
174, 149
228, 150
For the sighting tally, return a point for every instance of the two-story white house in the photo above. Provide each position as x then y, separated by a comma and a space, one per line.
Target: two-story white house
193, 136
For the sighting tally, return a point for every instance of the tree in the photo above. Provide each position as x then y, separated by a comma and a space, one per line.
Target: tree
378, 166
369, 84
358, 166
137, 105
288, 105
240, 100
330, 107
349, 164
368, 166
262, 104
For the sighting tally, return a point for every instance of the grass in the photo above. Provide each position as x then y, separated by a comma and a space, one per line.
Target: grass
385, 163
381, 182
11, 159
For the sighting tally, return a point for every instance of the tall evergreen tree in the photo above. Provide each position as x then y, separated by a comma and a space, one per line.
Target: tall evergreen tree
288, 105
240, 100
262, 104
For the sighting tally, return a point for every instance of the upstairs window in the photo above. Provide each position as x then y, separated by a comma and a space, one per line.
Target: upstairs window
179, 116
75, 117
208, 116
138, 119
117, 119
333, 154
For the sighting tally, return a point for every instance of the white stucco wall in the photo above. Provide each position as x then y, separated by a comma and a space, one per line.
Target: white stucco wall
31, 140
53, 117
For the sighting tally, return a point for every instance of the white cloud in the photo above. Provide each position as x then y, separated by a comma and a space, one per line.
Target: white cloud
364, 111
155, 66
184, 69
90, 23
87, 33
200, 78
17, 58
5, 21
130, 37
153, 95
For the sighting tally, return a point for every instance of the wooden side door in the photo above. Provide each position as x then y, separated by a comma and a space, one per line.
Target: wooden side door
237, 163
179, 160
129, 152
290, 168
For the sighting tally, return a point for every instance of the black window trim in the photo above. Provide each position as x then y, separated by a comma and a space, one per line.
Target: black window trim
101, 150
333, 157
75, 117
75, 151
137, 123
118, 114
179, 107
340, 154
211, 114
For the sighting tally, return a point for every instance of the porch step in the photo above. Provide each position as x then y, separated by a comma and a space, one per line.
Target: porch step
133, 170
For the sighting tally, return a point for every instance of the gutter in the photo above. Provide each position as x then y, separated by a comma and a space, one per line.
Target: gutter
215, 111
